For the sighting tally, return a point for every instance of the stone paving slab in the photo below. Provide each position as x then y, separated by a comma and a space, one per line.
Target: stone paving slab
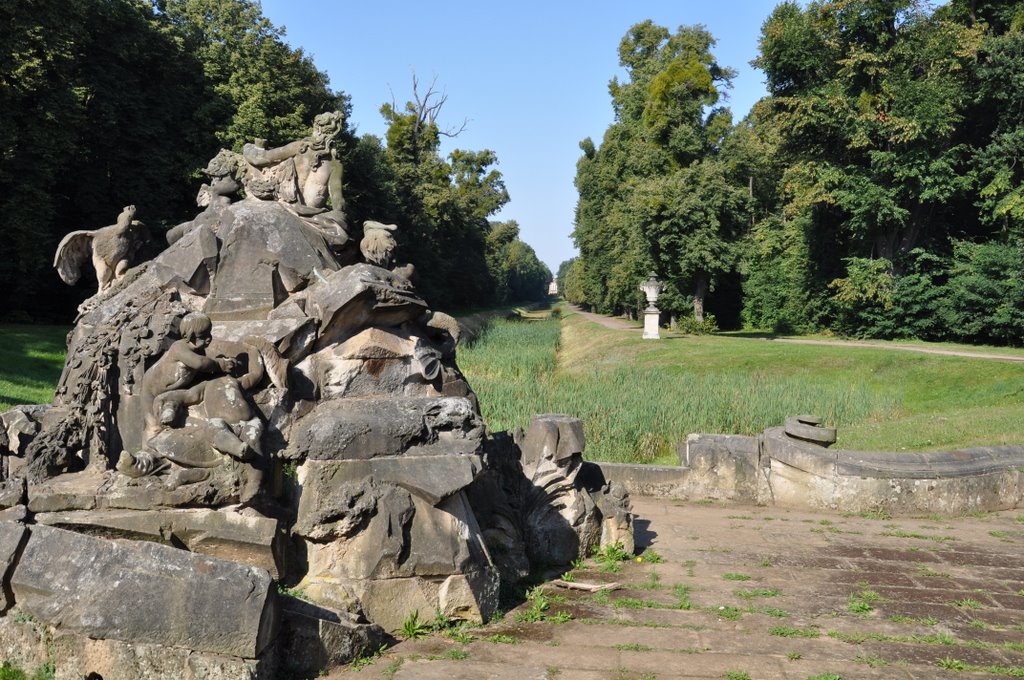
770, 593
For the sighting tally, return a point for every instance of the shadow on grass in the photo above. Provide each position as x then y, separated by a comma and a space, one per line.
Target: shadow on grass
750, 335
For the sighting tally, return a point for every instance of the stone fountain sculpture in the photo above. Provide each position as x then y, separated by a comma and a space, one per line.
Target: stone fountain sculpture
256, 413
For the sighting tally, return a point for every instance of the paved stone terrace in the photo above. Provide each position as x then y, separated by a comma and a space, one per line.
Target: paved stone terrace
752, 592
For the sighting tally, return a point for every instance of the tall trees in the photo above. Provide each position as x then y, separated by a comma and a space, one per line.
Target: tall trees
443, 205
877, 190
255, 84
120, 102
869, 103
111, 103
656, 194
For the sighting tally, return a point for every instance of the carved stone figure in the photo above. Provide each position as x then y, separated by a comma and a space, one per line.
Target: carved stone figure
179, 366
303, 174
256, 394
110, 248
225, 171
378, 245
222, 422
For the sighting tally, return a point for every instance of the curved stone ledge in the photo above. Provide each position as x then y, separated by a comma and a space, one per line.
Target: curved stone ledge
886, 464
777, 469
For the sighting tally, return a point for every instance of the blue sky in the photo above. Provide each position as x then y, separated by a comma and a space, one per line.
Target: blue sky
531, 78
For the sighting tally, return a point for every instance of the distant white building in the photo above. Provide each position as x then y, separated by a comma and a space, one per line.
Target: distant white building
553, 287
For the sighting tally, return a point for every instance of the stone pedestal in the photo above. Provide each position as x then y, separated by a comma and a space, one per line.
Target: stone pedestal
651, 317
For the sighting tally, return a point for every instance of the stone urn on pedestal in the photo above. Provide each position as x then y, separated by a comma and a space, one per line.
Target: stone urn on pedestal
651, 288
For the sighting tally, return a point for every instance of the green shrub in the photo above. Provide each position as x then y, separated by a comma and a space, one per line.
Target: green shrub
690, 326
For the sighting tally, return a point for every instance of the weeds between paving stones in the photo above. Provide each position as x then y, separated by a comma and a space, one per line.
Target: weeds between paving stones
503, 639
735, 577
362, 660
633, 647
751, 593
653, 582
870, 660
861, 602
786, 631
412, 628
611, 556
650, 555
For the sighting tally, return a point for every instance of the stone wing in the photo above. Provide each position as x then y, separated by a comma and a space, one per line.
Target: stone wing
73, 253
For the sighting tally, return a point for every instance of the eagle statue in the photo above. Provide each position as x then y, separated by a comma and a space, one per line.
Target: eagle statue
111, 248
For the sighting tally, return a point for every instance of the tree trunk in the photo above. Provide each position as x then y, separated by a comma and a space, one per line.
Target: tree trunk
700, 290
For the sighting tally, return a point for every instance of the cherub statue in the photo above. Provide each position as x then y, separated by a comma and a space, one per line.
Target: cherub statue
225, 171
112, 248
199, 416
180, 365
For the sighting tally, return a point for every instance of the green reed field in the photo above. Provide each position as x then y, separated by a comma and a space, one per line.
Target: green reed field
638, 398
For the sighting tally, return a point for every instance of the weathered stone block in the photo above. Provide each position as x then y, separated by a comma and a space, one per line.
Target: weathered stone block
470, 597
227, 535
144, 593
12, 492
388, 602
810, 458
101, 490
267, 252
432, 478
292, 336
360, 295
402, 536
721, 466
11, 535
366, 428
190, 264
314, 637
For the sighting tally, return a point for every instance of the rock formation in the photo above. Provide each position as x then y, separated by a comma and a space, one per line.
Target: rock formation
254, 406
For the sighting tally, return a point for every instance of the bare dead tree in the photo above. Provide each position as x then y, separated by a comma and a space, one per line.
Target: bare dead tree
425, 108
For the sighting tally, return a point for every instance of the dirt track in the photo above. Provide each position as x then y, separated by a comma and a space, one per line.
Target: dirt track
616, 323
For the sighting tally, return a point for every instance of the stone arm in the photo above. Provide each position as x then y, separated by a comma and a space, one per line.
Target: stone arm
190, 397
179, 351
334, 185
255, 373
259, 158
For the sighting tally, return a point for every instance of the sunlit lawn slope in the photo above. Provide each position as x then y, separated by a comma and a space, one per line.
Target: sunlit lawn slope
639, 398
31, 358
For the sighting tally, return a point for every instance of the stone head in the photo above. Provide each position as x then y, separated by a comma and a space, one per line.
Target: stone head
197, 330
326, 127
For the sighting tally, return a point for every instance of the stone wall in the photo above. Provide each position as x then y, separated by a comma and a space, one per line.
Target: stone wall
775, 468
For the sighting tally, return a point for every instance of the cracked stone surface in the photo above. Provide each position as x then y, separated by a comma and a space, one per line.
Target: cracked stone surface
773, 593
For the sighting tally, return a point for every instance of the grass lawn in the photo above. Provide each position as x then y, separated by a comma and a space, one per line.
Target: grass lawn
639, 398
31, 359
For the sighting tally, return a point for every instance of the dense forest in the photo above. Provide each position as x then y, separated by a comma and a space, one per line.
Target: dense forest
875, 192
122, 102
